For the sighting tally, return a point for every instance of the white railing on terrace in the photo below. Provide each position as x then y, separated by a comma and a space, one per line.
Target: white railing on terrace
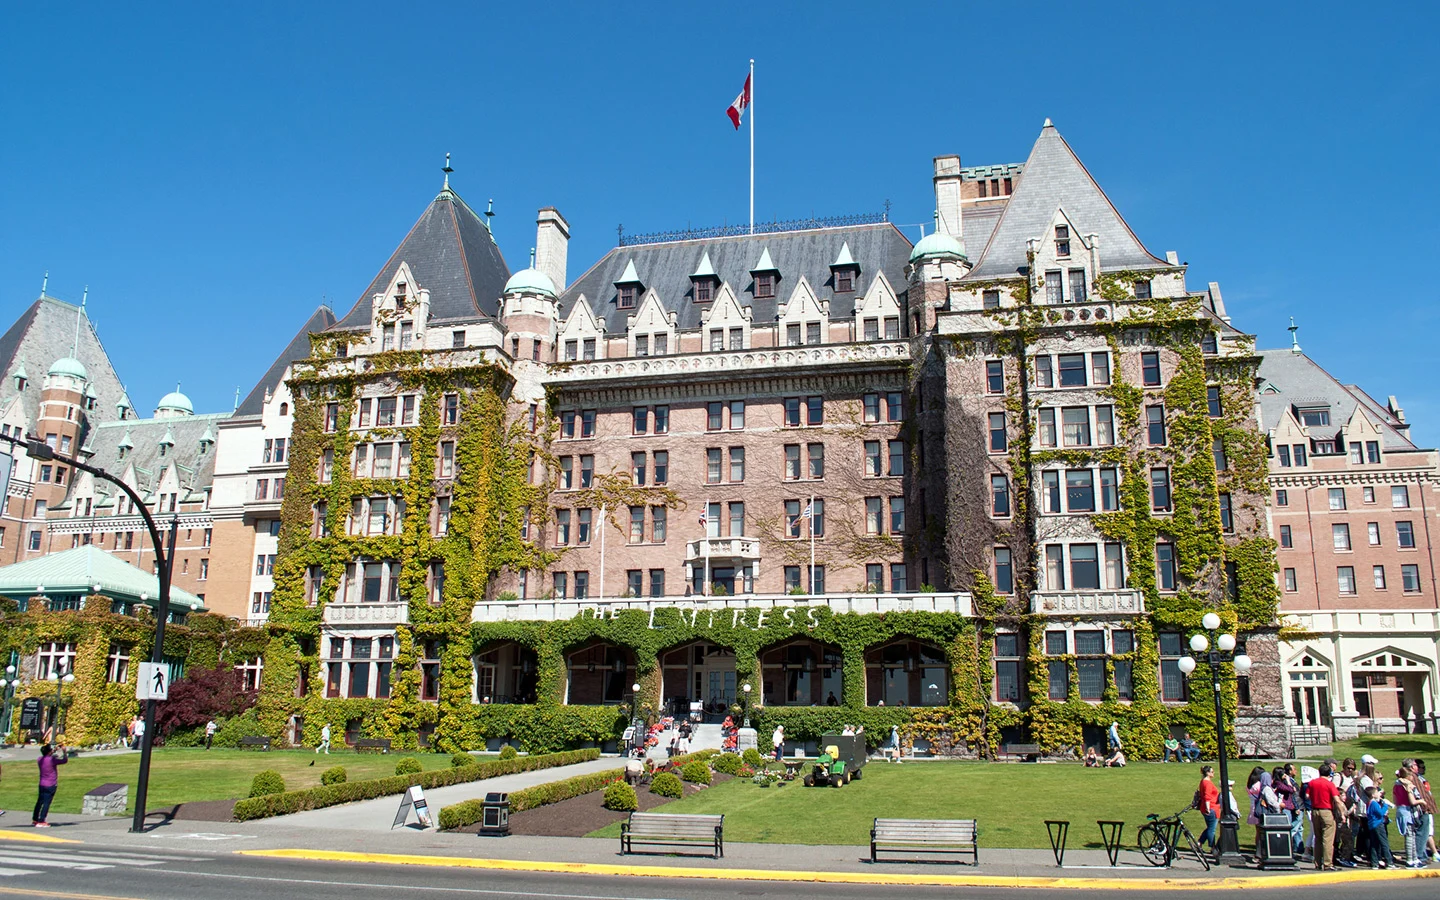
722, 548
559, 610
367, 613
1060, 603
681, 364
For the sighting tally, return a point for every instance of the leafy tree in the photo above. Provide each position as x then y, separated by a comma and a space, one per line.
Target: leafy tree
202, 695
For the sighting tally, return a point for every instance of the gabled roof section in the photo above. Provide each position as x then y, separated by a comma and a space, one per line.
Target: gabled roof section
845, 258
706, 269
453, 255
1299, 381
298, 348
77, 571
1056, 179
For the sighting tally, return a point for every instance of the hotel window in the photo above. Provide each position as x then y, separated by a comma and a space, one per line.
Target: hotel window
1357, 453
639, 420
896, 458
642, 345
1142, 289
1282, 497
447, 459
567, 473
1050, 491
999, 496
1084, 567
1115, 567
1080, 490
637, 532
1104, 426
872, 329
1160, 490
1405, 535
737, 339
1290, 584
658, 521
897, 515
1217, 449
792, 462
572, 351
562, 527
587, 470
1377, 573
327, 465
1336, 497
990, 299
871, 405
54, 657
713, 465
662, 467
583, 519
894, 406
1155, 425
1077, 286
1047, 427
1410, 578
332, 417
1345, 579
657, 582
1150, 369
703, 290
1286, 540
1062, 239
450, 409
812, 333
1172, 681
792, 579
892, 328
1055, 567
1004, 571
662, 419
874, 515
561, 585
737, 464
1109, 490
627, 297
899, 579
1367, 494
1314, 416
587, 349
1209, 344
1212, 400
1227, 516
714, 415
587, 423
1165, 566
792, 335
1100, 368
1283, 451
816, 454
1399, 497
1090, 648
995, 376
567, 423
1340, 536
430, 670
457, 340
1072, 370
1372, 452
872, 459
1055, 286
638, 468
407, 410
764, 286
1076, 421
814, 410
1044, 374
1299, 452
997, 432
717, 339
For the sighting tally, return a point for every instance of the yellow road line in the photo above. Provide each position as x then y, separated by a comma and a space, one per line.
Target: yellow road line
1134, 883
59, 895
34, 837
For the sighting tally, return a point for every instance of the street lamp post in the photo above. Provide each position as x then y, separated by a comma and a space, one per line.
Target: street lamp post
746, 689
36, 448
8, 685
60, 680
1228, 845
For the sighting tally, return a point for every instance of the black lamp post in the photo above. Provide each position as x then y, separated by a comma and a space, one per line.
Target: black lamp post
745, 700
1228, 844
36, 448
60, 678
8, 685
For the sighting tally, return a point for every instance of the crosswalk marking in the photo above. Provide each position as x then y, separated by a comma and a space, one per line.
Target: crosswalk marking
30, 860
6, 872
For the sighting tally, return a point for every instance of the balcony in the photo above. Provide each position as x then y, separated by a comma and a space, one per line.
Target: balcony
681, 365
1068, 603
746, 548
731, 606
367, 614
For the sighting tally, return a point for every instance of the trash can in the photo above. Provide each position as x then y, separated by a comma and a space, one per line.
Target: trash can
495, 815
1275, 850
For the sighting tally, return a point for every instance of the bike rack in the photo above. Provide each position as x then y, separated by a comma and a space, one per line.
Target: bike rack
1059, 832
1110, 835
1172, 838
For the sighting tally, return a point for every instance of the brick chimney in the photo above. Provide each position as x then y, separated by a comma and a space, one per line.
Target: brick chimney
552, 241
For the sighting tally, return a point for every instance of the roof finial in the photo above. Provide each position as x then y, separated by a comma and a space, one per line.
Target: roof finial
79, 314
447, 170
532, 257
489, 212
237, 398
1294, 340
1048, 123
45, 282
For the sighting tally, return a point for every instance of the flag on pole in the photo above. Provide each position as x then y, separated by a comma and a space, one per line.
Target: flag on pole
809, 512
736, 111
704, 515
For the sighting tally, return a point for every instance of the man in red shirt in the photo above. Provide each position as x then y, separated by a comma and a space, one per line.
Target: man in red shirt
1327, 806
1207, 799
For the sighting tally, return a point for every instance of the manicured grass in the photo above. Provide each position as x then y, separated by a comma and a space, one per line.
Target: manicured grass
182, 775
1011, 801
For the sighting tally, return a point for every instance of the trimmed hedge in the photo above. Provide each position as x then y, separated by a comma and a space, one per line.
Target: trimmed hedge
267, 783
728, 763
408, 765
620, 797
695, 772
508, 752
468, 812
333, 775
335, 794
667, 785
462, 759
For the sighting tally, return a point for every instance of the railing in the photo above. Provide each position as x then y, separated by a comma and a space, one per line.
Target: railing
730, 606
367, 614
1059, 603
722, 547
737, 361
772, 227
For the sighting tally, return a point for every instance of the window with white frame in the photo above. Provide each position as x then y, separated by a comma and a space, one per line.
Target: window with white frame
56, 657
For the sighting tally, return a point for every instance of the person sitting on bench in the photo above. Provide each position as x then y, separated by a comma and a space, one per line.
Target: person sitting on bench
1172, 748
1189, 749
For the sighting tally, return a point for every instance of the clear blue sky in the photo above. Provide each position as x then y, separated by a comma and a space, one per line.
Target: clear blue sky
212, 173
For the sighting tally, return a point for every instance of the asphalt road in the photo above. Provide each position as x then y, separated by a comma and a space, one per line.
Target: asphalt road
94, 871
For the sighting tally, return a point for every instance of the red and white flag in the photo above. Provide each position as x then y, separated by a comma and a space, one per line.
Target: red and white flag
736, 110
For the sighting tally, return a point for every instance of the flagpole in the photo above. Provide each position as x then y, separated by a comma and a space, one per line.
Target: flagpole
602, 551
752, 146
812, 543
705, 587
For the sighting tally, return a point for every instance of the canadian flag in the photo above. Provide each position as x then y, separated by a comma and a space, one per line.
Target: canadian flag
737, 109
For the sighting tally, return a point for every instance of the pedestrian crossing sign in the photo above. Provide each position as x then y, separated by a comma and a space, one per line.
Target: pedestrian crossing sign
153, 682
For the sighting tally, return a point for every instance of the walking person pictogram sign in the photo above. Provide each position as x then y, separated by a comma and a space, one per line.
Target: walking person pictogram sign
153, 682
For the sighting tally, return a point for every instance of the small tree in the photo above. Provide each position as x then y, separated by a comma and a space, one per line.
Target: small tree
202, 695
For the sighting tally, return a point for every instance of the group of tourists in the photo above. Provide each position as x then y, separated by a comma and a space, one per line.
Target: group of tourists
1347, 807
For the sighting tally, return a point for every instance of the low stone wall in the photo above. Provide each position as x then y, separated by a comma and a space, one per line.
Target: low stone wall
106, 800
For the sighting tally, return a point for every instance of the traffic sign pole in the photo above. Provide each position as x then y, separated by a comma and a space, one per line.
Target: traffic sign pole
157, 656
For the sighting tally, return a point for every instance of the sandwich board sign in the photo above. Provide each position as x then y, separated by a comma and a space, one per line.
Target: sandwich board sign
153, 682
30, 714
413, 799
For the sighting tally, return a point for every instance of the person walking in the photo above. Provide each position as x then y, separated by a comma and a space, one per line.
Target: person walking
1325, 805
49, 781
1263, 799
1407, 793
1428, 845
777, 739
1283, 781
324, 740
1207, 800
139, 732
1344, 779
210, 729
1377, 829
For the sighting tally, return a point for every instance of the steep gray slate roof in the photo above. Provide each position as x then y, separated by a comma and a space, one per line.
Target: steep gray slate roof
298, 348
1056, 179
667, 267
979, 225
1301, 381
452, 255
197, 470
44, 333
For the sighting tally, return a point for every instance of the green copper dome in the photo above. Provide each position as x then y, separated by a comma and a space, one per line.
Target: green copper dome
176, 402
936, 244
531, 281
69, 365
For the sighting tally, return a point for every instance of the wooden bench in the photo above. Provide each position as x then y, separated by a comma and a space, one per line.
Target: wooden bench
1021, 750
673, 830
255, 741
381, 744
959, 836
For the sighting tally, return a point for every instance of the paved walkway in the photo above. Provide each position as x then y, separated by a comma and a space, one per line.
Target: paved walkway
377, 814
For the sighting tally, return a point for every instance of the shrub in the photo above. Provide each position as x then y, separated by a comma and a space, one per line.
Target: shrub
462, 759
752, 757
508, 752
621, 797
469, 812
333, 775
266, 783
232, 730
728, 763
408, 765
695, 772
746, 770
202, 695
334, 794
667, 785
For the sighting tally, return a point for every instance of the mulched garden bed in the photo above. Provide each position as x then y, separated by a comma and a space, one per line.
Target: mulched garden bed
581, 815
198, 811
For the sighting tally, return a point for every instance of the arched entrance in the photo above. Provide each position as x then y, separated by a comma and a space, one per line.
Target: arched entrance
801, 672
698, 672
906, 672
599, 673
505, 672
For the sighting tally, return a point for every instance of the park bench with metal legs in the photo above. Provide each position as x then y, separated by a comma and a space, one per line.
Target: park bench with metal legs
1020, 751
255, 741
381, 744
944, 836
697, 832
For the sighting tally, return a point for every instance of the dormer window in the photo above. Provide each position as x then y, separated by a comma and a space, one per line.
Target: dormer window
765, 286
1142, 290
704, 291
19, 382
844, 281
400, 291
1062, 240
627, 296
628, 287
1315, 416
407, 335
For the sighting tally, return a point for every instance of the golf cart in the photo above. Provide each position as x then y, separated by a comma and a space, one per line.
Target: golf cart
840, 761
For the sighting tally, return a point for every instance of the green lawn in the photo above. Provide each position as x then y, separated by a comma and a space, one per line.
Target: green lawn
180, 775
1011, 801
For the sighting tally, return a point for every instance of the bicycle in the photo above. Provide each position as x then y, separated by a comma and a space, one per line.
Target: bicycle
1158, 837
